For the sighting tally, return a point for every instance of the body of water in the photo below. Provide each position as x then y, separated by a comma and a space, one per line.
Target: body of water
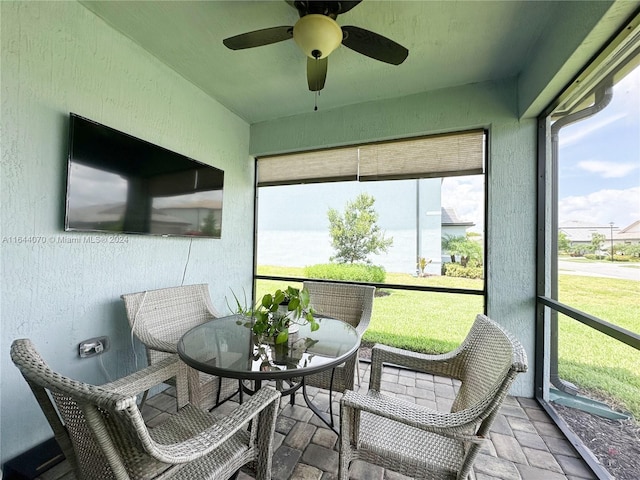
310, 247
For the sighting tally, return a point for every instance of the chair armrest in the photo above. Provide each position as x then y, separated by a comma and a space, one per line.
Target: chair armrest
446, 365
146, 378
362, 327
263, 405
365, 318
453, 425
117, 395
162, 346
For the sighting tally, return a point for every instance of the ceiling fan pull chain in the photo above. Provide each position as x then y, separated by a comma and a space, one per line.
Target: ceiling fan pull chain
315, 101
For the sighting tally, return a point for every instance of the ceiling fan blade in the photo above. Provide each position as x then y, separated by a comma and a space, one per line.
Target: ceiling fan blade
332, 8
258, 38
346, 6
316, 73
374, 45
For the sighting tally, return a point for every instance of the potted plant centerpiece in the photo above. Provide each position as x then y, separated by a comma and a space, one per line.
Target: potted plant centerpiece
280, 313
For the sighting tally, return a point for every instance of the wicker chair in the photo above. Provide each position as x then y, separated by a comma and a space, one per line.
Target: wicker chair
423, 443
160, 317
102, 433
347, 302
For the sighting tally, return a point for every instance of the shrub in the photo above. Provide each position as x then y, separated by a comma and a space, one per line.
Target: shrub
593, 256
629, 250
356, 272
457, 270
616, 258
474, 262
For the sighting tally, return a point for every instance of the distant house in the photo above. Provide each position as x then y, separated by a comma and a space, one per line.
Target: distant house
451, 225
630, 234
437, 222
581, 233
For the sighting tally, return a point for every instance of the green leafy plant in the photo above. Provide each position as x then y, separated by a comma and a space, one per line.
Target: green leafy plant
356, 234
463, 247
275, 313
422, 264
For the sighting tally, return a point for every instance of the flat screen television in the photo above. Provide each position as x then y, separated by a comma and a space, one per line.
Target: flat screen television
117, 183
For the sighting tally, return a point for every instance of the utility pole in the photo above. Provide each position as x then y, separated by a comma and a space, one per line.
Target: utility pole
418, 228
611, 238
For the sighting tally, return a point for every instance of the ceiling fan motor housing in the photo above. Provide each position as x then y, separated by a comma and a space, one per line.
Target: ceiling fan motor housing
317, 35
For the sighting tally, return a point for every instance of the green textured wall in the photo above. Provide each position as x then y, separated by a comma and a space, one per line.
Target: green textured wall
58, 57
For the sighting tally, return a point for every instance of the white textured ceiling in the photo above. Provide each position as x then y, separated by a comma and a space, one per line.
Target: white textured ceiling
450, 43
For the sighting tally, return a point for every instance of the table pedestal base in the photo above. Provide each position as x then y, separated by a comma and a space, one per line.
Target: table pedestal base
291, 390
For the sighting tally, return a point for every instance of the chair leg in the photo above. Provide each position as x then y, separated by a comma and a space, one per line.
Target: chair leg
219, 391
220, 400
144, 399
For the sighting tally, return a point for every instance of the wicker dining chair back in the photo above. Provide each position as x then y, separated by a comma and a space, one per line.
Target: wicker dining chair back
425, 443
347, 302
159, 318
103, 435
485, 360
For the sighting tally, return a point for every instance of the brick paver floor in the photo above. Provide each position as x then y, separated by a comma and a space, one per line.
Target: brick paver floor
524, 443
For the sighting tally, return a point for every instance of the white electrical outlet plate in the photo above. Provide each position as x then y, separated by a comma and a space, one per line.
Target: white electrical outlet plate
92, 346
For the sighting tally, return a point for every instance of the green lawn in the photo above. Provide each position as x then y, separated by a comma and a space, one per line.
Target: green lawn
437, 322
591, 359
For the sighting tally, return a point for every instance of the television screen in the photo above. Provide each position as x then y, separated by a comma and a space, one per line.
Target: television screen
120, 184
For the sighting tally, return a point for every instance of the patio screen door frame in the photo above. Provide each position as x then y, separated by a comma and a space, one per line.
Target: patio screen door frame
615, 60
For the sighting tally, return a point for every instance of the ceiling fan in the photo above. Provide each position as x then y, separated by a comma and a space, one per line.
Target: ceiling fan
318, 34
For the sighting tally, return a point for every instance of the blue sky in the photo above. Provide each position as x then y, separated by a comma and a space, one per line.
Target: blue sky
599, 161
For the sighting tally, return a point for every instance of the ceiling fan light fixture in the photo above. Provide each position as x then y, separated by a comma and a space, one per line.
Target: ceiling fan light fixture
317, 35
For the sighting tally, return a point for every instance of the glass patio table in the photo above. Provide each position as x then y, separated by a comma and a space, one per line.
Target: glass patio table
226, 347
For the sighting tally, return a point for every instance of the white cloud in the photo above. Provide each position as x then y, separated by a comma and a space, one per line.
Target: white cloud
608, 169
466, 196
579, 131
619, 206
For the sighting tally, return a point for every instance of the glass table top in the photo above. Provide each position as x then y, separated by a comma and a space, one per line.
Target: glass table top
227, 347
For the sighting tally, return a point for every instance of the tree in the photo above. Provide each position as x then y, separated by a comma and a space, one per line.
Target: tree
463, 247
356, 234
631, 249
564, 244
597, 239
